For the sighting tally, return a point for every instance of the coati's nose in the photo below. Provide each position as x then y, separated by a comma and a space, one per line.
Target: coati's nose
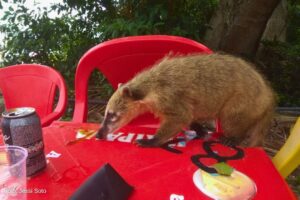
106, 126
102, 132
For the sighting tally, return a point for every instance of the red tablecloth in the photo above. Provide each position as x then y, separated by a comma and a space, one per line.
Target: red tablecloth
153, 172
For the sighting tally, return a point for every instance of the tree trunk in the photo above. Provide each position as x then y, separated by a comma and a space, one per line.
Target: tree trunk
221, 22
238, 26
275, 29
277, 24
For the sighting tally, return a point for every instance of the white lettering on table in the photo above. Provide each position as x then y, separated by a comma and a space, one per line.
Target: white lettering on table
5, 137
140, 136
131, 137
113, 136
127, 138
150, 136
176, 197
53, 154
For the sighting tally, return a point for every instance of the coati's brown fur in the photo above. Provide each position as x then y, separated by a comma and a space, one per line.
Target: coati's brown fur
195, 88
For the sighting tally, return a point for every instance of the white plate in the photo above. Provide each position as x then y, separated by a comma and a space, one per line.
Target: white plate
235, 187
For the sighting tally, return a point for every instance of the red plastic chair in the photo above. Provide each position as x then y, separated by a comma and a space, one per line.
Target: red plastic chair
33, 85
120, 59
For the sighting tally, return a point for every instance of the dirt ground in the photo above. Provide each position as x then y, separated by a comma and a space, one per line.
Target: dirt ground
279, 133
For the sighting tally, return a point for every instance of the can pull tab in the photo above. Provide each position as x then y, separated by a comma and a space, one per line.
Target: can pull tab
18, 112
12, 114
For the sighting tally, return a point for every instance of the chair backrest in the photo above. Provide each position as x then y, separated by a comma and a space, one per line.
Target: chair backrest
287, 158
121, 59
33, 85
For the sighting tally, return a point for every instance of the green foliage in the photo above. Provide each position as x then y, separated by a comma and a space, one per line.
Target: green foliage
293, 34
139, 17
34, 37
281, 61
282, 68
135, 17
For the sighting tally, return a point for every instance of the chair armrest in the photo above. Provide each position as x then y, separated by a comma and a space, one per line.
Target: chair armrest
47, 120
60, 107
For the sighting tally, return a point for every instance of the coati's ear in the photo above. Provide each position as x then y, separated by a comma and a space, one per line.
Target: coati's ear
120, 85
131, 93
126, 91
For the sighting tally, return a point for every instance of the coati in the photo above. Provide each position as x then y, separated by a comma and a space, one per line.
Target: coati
191, 89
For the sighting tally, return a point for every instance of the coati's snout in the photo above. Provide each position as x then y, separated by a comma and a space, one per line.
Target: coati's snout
102, 133
109, 124
122, 107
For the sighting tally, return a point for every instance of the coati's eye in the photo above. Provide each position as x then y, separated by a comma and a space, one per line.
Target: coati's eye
112, 117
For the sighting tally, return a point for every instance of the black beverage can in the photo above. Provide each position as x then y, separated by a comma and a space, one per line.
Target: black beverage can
22, 127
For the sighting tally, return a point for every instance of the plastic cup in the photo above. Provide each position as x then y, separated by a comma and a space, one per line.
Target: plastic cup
13, 172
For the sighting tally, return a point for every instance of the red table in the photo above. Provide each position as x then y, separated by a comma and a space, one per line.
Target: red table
153, 172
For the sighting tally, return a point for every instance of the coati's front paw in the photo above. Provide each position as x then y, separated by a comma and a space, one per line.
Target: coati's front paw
153, 142
201, 129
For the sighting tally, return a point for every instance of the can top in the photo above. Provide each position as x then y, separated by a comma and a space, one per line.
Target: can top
18, 112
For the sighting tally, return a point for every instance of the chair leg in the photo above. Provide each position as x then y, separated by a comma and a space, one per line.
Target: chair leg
218, 126
288, 157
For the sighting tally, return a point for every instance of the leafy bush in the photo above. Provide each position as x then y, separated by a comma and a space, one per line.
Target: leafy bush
32, 37
281, 61
281, 66
135, 17
60, 41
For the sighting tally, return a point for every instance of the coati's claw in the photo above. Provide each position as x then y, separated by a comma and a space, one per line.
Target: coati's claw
147, 142
201, 130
